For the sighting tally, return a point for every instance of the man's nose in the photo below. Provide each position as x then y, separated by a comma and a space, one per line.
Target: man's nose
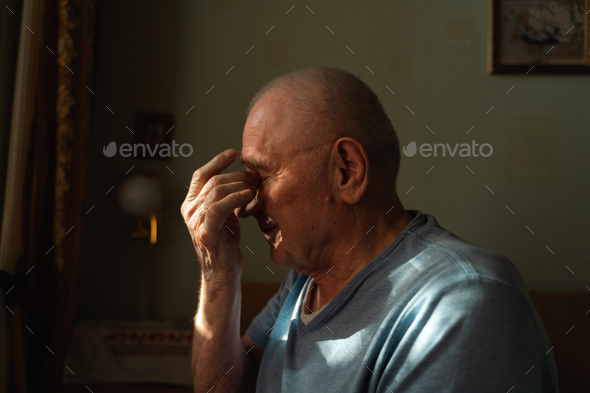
248, 209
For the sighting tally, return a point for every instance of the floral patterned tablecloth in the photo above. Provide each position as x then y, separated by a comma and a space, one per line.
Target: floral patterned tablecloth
113, 351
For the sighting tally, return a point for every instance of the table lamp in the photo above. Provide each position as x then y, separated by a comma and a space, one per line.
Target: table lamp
140, 196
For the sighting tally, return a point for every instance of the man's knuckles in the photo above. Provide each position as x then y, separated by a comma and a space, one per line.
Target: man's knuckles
217, 193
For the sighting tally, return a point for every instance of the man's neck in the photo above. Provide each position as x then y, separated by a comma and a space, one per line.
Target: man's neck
326, 285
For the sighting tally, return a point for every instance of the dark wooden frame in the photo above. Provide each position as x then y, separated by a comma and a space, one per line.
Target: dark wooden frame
495, 68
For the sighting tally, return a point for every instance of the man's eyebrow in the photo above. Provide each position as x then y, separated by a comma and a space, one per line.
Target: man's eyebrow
251, 164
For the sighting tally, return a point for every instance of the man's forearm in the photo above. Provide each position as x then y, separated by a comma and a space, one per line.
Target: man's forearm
219, 358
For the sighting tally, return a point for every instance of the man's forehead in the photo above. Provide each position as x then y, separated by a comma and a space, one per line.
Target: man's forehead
266, 129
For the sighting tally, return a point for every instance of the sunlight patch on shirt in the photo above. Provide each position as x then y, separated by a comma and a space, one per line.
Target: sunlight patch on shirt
433, 332
421, 261
294, 311
341, 352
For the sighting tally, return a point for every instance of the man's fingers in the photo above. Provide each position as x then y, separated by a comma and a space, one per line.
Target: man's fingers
248, 178
213, 190
241, 211
240, 176
220, 192
218, 212
212, 168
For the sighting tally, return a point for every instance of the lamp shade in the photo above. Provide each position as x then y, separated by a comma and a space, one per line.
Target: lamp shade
139, 196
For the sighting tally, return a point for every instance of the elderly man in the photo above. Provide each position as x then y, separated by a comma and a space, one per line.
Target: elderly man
379, 298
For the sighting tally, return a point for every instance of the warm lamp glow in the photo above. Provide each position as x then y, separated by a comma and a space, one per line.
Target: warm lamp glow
140, 196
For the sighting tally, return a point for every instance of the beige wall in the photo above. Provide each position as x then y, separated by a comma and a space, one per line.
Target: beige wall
164, 56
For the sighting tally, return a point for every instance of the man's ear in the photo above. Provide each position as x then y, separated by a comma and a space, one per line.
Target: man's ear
352, 169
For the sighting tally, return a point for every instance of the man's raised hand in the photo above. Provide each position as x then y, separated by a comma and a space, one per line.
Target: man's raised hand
208, 211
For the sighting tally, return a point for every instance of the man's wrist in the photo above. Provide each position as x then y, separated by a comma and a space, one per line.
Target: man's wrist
218, 284
221, 278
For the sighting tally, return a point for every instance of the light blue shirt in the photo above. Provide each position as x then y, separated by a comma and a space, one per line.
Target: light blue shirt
431, 313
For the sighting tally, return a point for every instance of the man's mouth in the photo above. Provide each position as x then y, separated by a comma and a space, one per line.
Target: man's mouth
269, 230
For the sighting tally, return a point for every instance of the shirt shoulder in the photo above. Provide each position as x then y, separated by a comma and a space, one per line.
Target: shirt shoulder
432, 263
433, 250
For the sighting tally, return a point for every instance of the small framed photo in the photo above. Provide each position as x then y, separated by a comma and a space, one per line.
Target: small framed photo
154, 130
549, 36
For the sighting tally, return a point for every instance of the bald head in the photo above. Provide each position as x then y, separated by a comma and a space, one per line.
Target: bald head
326, 104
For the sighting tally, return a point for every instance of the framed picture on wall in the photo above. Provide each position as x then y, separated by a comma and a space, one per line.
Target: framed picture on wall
154, 130
549, 36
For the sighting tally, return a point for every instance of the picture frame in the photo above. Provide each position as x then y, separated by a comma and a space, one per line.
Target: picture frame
547, 36
153, 130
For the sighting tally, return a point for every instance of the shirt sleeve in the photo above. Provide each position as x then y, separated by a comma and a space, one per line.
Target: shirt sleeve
266, 319
474, 336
